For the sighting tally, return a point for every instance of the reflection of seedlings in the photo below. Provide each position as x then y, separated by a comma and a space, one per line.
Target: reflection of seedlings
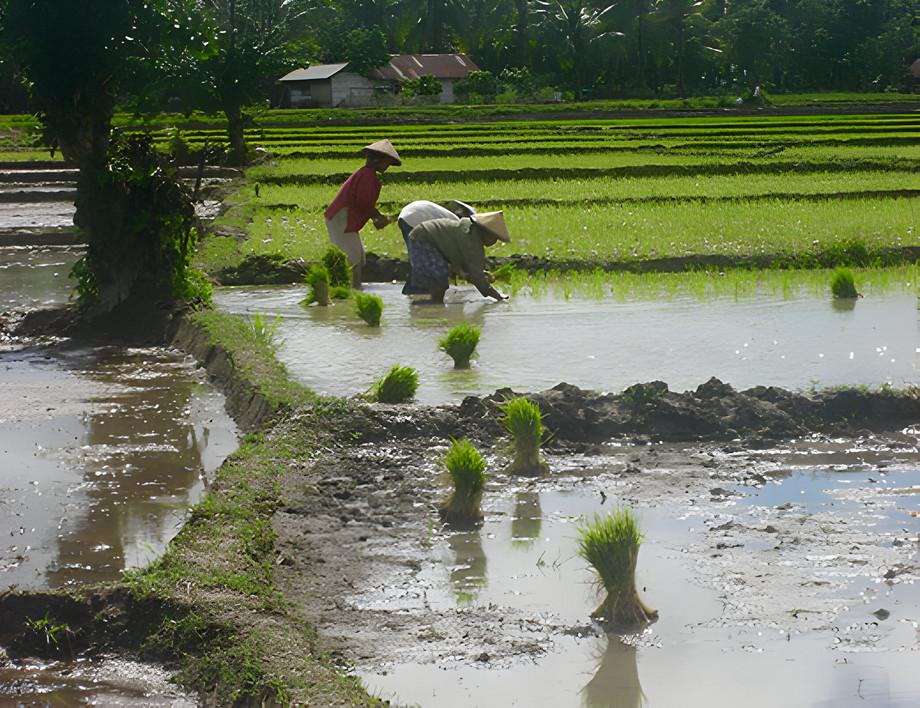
615, 683
527, 520
336, 262
468, 471
843, 284
460, 343
611, 545
318, 280
369, 308
468, 575
398, 386
522, 419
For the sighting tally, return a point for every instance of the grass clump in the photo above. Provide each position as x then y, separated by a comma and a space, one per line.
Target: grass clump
336, 262
524, 422
369, 308
843, 284
460, 343
467, 469
264, 331
398, 386
318, 280
611, 546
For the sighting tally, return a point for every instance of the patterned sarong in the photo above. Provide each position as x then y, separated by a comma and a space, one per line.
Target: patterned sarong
428, 268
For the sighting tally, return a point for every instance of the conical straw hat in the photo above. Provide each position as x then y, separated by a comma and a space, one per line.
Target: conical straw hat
494, 221
384, 147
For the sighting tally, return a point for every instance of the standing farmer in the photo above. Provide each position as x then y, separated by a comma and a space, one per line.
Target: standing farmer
437, 244
356, 204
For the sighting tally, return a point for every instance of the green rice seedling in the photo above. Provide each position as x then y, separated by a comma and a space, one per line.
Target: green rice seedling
369, 308
460, 343
318, 280
610, 544
340, 292
339, 269
263, 330
523, 420
467, 469
398, 386
843, 284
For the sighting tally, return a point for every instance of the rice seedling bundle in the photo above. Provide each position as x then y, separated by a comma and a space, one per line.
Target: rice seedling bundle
398, 386
467, 471
460, 343
610, 545
843, 284
524, 422
369, 308
317, 279
336, 263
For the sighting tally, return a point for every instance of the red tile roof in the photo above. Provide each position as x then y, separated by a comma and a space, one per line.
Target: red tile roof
414, 66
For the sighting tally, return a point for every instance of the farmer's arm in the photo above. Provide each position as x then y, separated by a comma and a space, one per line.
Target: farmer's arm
474, 262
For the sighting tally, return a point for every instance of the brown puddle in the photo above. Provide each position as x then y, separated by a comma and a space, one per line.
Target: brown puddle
533, 343
766, 594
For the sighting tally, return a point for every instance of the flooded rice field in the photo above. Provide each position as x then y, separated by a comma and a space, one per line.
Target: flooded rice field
799, 589
35, 278
533, 343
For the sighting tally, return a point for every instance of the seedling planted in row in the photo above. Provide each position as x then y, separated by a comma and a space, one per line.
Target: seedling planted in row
460, 343
336, 263
523, 420
318, 280
843, 284
467, 469
610, 544
369, 308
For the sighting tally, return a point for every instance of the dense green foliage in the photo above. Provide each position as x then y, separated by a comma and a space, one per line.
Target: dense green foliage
467, 472
460, 343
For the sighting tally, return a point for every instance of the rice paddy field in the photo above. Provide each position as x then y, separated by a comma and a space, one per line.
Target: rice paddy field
603, 191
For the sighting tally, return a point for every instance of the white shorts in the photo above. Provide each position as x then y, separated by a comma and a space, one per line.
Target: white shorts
350, 242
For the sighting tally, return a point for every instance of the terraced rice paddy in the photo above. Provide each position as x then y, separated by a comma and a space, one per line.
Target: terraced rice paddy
606, 191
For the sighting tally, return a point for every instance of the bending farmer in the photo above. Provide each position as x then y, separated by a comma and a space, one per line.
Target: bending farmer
437, 244
420, 211
356, 204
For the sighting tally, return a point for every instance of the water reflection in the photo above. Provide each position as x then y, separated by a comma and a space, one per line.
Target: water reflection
844, 304
527, 520
468, 572
615, 683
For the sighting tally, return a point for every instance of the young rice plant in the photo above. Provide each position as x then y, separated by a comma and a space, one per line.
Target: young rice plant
610, 544
398, 386
336, 263
369, 308
467, 470
843, 284
318, 280
460, 343
523, 420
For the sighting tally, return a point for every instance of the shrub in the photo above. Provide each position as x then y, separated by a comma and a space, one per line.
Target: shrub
336, 263
369, 308
524, 422
318, 280
398, 386
611, 546
467, 470
460, 343
843, 284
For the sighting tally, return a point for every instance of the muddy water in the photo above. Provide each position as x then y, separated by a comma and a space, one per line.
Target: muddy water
102, 450
35, 278
775, 611
534, 343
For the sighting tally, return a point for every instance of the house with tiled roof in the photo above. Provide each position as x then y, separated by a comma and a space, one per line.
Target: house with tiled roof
330, 85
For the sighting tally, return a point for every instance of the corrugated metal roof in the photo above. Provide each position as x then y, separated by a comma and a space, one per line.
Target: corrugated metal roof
316, 72
413, 66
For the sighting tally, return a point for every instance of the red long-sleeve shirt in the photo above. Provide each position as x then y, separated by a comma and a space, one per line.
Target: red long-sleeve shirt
359, 194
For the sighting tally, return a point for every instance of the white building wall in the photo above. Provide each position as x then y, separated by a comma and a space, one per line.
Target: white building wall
351, 90
447, 91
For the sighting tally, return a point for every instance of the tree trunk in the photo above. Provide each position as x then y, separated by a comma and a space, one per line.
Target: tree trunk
236, 135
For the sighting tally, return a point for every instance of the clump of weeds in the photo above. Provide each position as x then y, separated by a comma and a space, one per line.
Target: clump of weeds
336, 262
369, 308
524, 422
460, 343
610, 544
398, 386
843, 284
467, 469
50, 631
263, 330
318, 280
